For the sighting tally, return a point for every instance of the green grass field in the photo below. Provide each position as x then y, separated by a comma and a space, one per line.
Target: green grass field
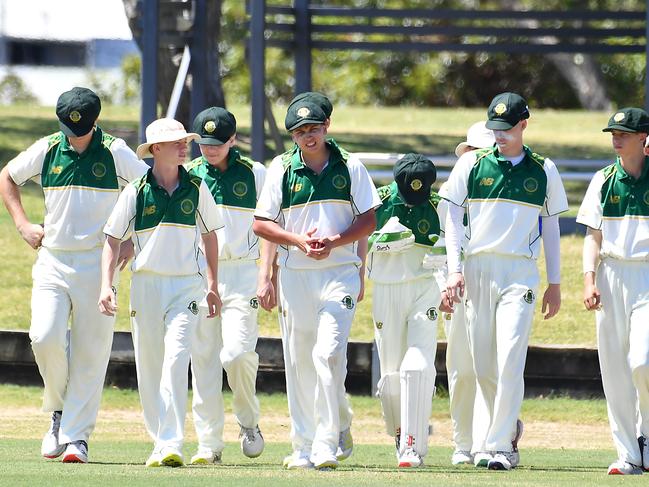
566, 442
435, 131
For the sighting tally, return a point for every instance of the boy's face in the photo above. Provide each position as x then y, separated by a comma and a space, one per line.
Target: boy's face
623, 142
310, 137
171, 152
512, 138
216, 154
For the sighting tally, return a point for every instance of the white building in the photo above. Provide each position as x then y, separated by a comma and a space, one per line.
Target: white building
53, 45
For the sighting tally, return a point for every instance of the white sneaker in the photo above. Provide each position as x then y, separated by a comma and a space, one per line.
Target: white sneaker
206, 457
171, 457
297, 460
252, 442
462, 457
345, 445
503, 460
481, 458
50, 447
620, 467
154, 459
644, 451
76, 452
324, 462
410, 459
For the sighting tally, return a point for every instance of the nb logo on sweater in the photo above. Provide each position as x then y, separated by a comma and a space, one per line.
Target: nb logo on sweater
486, 181
614, 198
57, 169
149, 210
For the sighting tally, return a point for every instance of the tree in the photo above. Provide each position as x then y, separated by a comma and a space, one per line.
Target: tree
170, 54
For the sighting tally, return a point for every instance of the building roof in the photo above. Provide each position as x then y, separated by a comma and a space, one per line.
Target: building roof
64, 20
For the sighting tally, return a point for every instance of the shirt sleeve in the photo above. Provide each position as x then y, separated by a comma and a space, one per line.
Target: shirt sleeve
555, 200
269, 205
259, 170
127, 165
207, 214
121, 222
456, 189
363, 192
591, 211
29, 163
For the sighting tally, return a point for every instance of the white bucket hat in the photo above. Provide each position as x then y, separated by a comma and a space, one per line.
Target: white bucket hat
477, 136
163, 130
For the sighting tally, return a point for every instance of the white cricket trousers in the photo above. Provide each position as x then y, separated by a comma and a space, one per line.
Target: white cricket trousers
468, 411
67, 285
227, 342
623, 343
405, 329
164, 315
500, 297
317, 308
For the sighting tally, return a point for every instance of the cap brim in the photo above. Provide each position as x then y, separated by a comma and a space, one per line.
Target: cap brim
306, 121
71, 133
621, 128
461, 148
498, 125
209, 141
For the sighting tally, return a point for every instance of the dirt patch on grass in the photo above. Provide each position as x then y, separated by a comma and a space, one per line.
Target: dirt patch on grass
114, 424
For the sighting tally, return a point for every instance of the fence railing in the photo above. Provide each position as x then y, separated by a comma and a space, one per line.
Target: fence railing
380, 166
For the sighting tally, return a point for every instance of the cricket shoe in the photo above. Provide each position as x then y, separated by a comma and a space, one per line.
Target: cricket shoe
205, 456
252, 442
50, 447
297, 460
76, 452
503, 460
345, 445
154, 459
326, 461
171, 457
644, 452
620, 467
462, 457
410, 459
481, 458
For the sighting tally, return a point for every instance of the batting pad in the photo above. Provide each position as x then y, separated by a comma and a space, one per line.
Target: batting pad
417, 388
389, 392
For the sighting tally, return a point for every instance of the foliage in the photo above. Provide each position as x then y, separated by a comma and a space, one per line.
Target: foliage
426, 79
13, 90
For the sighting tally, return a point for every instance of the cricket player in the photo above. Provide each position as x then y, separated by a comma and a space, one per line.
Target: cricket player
616, 285
81, 170
512, 197
408, 274
317, 202
467, 408
168, 212
229, 341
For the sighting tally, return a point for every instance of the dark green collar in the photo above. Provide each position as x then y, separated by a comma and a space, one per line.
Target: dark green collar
502, 159
183, 178
335, 156
624, 176
233, 157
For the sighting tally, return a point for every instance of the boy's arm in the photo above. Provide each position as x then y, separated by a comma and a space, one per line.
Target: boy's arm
107, 299
210, 243
362, 254
592, 247
30, 232
267, 277
362, 226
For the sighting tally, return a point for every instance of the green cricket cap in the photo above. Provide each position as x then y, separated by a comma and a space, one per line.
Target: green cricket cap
318, 98
506, 110
414, 175
628, 120
215, 125
303, 112
77, 110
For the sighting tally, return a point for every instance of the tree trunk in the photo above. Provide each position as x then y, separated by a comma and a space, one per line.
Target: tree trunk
169, 57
